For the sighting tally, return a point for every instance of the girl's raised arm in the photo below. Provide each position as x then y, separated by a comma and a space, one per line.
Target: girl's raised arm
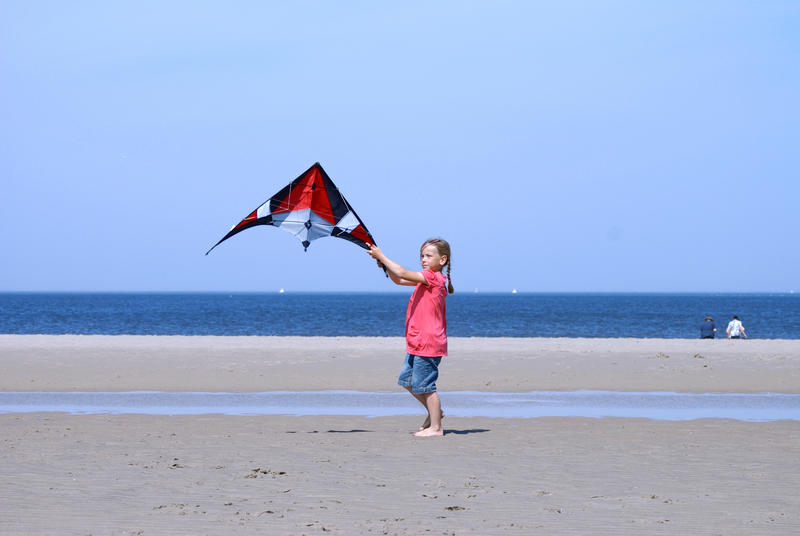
397, 273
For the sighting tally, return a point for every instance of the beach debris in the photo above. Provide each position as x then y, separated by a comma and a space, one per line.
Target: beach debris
699, 356
255, 473
454, 508
472, 483
179, 506
662, 355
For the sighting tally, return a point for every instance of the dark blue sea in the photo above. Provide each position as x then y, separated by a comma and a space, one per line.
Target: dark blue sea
765, 316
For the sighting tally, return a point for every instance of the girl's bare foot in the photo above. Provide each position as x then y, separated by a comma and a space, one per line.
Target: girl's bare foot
427, 423
429, 432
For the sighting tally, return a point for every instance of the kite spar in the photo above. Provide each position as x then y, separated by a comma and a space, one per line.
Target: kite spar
309, 207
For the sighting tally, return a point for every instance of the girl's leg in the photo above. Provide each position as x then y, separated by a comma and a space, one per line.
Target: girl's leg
434, 407
423, 400
420, 398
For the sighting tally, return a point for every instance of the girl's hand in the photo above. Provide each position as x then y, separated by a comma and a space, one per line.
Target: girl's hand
374, 251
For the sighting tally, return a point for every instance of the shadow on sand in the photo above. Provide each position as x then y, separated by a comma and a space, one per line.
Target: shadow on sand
464, 432
333, 432
357, 431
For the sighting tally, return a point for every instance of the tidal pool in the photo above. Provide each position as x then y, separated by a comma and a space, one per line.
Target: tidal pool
649, 405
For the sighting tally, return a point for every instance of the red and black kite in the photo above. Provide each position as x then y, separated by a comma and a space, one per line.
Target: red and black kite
310, 207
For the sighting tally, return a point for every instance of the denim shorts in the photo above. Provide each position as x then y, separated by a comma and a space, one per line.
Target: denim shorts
419, 373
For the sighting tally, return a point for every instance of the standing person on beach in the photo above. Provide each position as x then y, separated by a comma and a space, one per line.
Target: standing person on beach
707, 328
426, 326
735, 329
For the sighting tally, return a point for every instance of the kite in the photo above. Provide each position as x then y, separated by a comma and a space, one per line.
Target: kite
309, 207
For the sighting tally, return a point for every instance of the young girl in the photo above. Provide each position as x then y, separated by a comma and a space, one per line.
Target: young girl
426, 326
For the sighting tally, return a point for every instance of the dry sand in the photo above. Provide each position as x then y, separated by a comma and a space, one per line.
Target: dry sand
212, 474
124, 363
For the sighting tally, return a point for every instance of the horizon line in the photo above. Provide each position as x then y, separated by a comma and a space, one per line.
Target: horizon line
399, 291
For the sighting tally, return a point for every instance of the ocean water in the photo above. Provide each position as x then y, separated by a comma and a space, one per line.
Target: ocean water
765, 316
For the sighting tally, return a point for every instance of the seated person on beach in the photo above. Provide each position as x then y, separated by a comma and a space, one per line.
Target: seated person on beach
735, 329
707, 328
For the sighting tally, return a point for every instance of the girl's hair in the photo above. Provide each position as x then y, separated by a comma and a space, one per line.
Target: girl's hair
443, 247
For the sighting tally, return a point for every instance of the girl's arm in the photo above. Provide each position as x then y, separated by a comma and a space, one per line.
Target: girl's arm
400, 281
397, 273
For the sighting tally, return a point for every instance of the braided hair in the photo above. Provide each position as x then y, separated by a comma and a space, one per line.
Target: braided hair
443, 247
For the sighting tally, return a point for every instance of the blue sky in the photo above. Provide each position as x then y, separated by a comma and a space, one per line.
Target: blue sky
559, 146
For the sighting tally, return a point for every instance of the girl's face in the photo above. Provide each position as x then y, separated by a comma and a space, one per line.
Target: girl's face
430, 259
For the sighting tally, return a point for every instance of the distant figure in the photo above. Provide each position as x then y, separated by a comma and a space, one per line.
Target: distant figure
707, 328
735, 329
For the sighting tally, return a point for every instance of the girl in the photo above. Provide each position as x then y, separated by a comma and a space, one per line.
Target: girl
426, 326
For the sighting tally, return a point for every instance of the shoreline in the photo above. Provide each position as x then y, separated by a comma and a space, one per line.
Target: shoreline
258, 363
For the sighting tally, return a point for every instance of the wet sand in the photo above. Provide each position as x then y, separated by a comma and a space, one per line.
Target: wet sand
216, 474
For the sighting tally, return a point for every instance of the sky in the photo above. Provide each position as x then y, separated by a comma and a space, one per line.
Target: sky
562, 146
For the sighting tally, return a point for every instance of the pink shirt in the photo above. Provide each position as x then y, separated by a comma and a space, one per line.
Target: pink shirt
426, 325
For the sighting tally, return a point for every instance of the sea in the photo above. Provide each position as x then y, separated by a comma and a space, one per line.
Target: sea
628, 315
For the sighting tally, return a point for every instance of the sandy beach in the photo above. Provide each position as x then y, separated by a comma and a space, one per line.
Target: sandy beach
213, 474
178, 363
